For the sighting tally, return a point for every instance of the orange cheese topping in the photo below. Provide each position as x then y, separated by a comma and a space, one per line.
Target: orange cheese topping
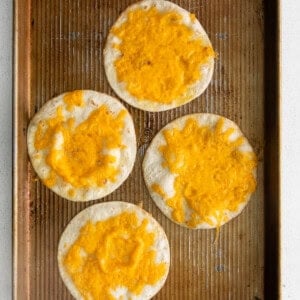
114, 253
81, 159
71, 192
160, 57
51, 179
46, 130
193, 17
213, 176
157, 189
73, 99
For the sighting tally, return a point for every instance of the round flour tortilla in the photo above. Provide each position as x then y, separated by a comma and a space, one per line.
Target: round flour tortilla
104, 211
154, 172
125, 156
111, 55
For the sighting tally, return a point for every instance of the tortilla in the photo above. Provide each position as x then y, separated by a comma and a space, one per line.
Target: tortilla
68, 117
103, 212
193, 90
160, 181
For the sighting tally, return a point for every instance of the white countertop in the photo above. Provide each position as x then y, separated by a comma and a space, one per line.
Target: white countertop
290, 134
290, 205
5, 147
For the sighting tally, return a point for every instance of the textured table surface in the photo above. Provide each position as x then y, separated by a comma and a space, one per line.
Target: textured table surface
290, 148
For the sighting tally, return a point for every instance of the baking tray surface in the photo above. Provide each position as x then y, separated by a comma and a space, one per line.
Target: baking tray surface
58, 48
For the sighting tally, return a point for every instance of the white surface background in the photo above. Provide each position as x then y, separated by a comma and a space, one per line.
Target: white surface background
290, 188
290, 148
5, 147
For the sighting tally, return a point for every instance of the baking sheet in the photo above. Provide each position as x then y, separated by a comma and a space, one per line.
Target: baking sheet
58, 47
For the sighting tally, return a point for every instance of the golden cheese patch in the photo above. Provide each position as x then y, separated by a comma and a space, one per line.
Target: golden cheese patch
79, 154
117, 252
160, 56
212, 175
73, 99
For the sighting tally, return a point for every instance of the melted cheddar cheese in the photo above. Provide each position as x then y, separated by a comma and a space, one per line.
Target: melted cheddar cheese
73, 99
79, 154
117, 252
160, 56
212, 176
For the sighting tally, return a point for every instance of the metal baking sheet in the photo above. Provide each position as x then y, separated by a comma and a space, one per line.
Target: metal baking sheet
58, 47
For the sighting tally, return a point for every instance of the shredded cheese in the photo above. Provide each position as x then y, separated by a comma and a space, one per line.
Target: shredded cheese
160, 55
82, 159
212, 175
117, 252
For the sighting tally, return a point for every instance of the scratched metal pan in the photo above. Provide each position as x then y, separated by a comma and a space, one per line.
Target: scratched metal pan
58, 47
